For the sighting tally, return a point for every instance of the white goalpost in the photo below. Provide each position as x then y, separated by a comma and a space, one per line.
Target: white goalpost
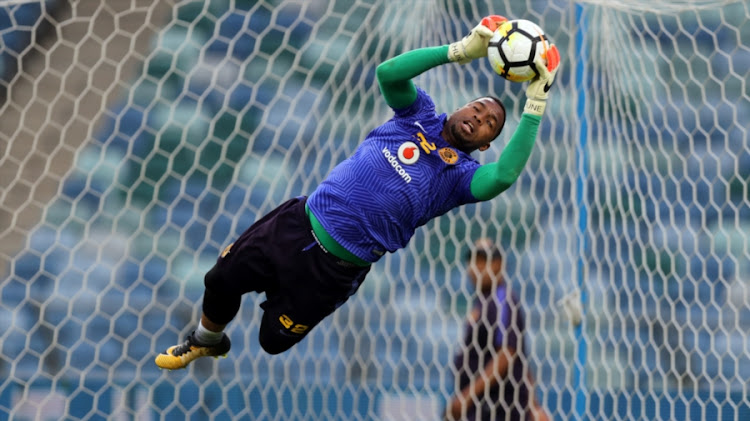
139, 138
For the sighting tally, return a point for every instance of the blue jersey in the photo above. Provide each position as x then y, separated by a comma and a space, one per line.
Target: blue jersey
402, 175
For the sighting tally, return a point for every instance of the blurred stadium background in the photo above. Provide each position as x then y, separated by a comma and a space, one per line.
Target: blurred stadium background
138, 138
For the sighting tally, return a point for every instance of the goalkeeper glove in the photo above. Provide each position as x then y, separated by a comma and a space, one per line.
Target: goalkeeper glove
475, 44
538, 90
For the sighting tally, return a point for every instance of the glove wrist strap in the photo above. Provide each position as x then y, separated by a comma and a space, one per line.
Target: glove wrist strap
456, 51
535, 106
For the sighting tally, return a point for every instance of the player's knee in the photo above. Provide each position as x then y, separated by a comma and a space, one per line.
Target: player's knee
278, 332
273, 347
274, 342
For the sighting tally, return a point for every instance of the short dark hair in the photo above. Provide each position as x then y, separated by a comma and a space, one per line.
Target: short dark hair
505, 112
484, 247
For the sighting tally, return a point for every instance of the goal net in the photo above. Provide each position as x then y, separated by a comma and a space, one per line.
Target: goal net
139, 138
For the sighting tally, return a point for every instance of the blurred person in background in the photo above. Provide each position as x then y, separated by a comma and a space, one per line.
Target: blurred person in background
492, 376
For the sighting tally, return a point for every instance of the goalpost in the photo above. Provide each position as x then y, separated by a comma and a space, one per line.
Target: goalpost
138, 138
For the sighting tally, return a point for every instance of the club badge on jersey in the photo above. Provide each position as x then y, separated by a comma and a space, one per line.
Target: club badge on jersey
448, 155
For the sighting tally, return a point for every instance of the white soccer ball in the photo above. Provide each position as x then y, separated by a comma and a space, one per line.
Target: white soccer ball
514, 47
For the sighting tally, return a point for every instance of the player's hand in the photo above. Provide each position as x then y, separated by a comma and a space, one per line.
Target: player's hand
538, 413
538, 90
475, 44
547, 67
455, 409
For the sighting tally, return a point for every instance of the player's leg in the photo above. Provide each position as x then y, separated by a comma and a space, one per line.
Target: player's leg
284, 324
289, 317
220, 305
310, 290
242, 267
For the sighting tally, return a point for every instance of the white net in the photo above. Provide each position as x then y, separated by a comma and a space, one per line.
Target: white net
140, 137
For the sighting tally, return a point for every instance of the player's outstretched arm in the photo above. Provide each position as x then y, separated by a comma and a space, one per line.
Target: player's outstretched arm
394, 75
492, 179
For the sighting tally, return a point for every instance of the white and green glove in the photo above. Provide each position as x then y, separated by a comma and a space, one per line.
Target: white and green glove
475, 44
538, 90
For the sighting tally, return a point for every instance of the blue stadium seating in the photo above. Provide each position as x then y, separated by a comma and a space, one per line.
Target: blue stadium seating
17, 26
197, 214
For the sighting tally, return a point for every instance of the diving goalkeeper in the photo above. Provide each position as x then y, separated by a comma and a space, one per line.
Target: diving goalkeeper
311, 254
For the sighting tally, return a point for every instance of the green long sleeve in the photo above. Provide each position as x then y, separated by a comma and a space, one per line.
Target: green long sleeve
492, 179
394, 75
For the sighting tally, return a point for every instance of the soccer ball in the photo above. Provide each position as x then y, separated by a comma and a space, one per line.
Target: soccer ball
514, 47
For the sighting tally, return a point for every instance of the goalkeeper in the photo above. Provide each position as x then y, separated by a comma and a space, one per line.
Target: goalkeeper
311, 254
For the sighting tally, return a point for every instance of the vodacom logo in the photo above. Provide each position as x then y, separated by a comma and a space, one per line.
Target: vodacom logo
396, 166
408, 153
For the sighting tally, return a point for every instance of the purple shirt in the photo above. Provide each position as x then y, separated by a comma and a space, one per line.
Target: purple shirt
497, 322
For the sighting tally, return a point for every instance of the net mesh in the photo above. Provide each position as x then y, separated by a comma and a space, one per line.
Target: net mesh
140, 138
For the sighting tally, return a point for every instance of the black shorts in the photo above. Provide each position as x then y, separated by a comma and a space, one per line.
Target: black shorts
280, 256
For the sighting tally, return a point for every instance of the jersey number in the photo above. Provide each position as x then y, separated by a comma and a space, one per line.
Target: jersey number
426, 146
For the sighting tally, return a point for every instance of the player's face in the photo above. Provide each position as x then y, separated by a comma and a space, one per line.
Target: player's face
475, 125
485, 273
